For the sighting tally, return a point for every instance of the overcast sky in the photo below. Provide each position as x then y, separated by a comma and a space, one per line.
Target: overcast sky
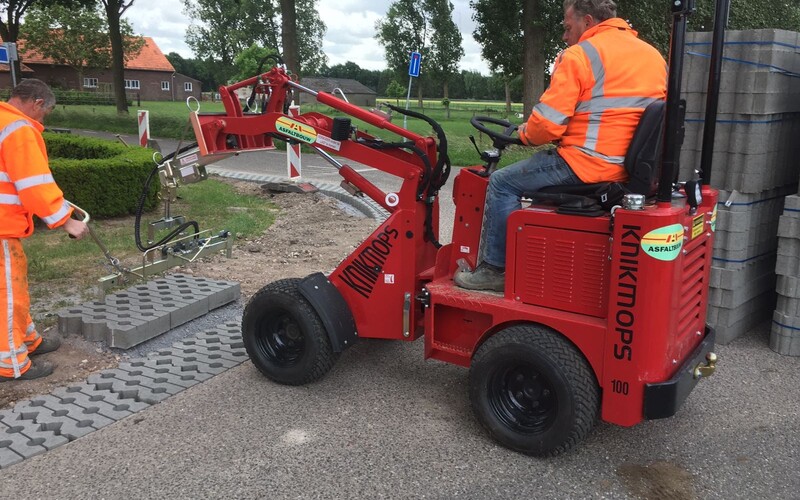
350, 35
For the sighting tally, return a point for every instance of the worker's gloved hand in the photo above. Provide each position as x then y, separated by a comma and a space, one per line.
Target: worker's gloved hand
77, 229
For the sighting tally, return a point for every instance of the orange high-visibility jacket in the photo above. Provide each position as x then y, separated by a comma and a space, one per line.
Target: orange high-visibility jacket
598, 91
26, 183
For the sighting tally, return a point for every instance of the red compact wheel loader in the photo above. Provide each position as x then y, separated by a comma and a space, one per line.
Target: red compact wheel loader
603, 313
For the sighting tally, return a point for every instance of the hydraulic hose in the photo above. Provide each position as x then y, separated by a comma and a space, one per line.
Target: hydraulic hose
140, 208
430, 186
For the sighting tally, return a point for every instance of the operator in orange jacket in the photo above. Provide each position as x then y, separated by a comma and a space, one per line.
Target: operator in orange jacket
598, 90
27, 188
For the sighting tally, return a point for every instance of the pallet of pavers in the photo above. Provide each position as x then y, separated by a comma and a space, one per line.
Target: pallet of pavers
141, 312
785, 336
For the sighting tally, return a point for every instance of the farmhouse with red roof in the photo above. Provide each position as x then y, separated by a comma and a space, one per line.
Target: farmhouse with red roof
149, 76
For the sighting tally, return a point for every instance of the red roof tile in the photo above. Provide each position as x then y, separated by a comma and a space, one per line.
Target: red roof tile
25, 69
150, 58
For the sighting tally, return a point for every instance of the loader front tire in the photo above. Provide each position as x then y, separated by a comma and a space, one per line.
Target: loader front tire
533, 391
284, 336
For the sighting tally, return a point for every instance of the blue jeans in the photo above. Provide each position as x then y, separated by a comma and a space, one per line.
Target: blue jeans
506, 187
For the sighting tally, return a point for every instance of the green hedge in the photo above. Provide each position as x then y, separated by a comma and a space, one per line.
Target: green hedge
77, 97
105, 178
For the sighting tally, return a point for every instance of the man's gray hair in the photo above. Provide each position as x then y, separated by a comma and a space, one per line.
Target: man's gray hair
600, 10
31, 89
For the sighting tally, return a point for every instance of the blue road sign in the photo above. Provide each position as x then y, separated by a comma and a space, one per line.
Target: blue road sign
4, 58
413, 67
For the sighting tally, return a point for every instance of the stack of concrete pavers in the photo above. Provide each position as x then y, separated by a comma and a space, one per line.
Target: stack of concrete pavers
754, 165
42, 423
147, 310
785, 337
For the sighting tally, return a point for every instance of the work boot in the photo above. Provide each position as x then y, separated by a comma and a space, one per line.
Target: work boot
37, 370
484, 277
47, 345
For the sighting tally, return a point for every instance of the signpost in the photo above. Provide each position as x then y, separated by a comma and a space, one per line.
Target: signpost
8, 54
413, 72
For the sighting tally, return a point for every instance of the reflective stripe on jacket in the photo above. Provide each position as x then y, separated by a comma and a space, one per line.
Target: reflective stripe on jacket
598, 91
27, 187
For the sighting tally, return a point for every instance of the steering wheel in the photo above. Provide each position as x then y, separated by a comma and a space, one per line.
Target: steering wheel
500, 140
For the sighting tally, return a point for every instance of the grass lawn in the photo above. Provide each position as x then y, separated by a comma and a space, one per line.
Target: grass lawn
215, 205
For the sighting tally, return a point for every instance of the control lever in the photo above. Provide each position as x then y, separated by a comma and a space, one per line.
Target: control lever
490, 157
472, 140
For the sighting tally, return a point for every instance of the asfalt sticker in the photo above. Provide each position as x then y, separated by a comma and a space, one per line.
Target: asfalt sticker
296, 130
664, 243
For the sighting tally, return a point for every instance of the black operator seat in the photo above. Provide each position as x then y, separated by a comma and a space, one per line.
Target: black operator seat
642, 163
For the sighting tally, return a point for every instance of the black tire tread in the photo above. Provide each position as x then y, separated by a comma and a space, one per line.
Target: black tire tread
325, 358
574, 366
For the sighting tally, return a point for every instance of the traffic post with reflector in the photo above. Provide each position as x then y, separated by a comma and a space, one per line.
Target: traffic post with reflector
293, 160
144, 127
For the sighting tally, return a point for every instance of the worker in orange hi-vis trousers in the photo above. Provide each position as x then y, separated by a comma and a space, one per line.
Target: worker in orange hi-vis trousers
27, 188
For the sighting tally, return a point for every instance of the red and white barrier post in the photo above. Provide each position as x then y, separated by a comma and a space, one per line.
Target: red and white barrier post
293, 162
144, 127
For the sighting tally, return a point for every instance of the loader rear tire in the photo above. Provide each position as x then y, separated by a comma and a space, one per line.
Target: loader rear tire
284, 336
533, 391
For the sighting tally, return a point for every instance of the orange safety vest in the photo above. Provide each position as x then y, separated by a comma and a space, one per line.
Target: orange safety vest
598, 91
26, 183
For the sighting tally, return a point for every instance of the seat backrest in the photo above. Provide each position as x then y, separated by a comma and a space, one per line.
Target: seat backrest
643, 159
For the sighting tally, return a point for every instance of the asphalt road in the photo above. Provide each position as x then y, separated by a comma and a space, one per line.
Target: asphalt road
385, 423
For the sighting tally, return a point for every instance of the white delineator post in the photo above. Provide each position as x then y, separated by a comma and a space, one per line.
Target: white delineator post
293, 163
144, 127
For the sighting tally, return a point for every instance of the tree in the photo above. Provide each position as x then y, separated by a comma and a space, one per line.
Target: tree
402, 31
532, 55
309, 48
203, 70
114, 10
231, 26
248, 62
395, 91
15, 10
289, 35
498, 30
426, 27
75, 36
653, 19
9, 27
446, 50
515, 44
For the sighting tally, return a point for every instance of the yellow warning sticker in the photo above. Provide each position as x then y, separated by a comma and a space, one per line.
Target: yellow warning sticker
697, 226
295, 129
714, 220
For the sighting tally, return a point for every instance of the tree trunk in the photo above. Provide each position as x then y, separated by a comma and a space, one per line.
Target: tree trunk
9, 31
533, 56
117, 55
289, 35
419, 95
507, 88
